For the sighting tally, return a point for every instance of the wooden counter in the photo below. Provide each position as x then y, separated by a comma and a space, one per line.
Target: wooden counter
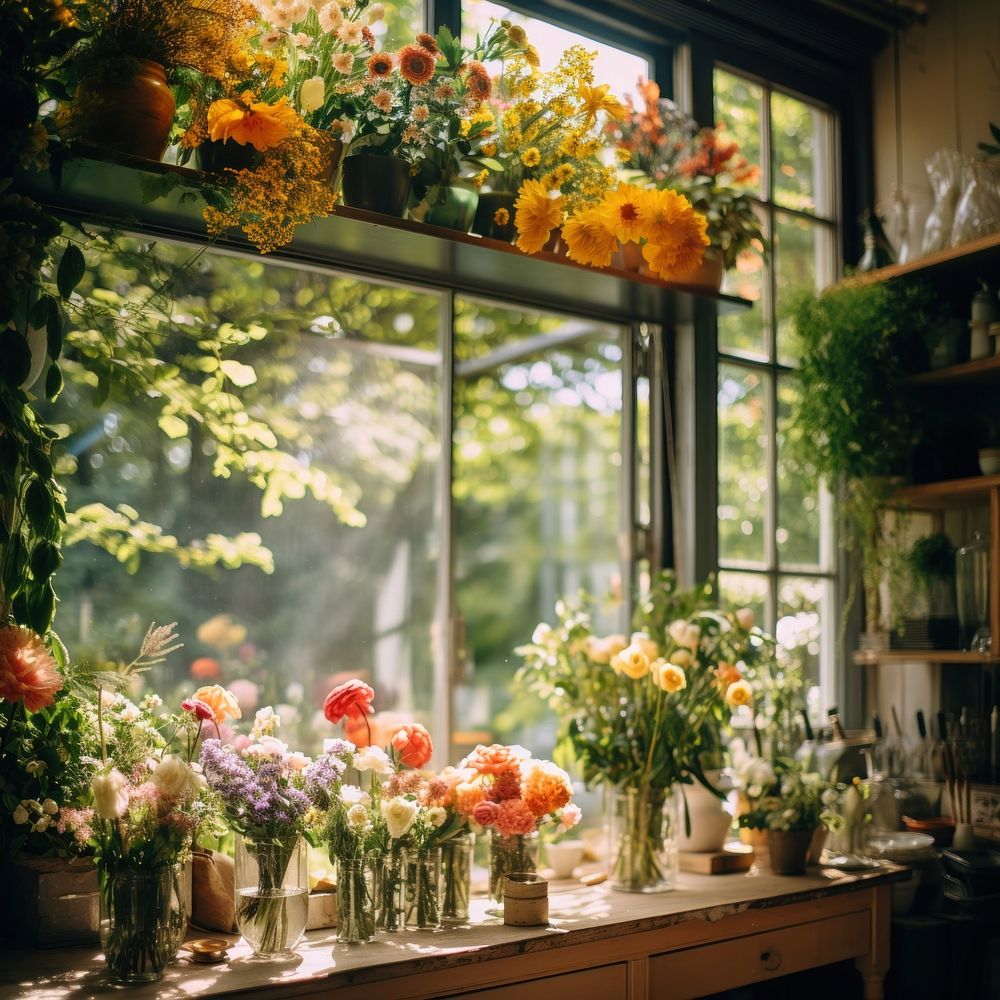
712, 933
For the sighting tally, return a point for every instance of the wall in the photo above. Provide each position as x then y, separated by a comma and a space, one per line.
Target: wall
949, 89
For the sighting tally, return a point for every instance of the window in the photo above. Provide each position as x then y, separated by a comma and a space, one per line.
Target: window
775, 536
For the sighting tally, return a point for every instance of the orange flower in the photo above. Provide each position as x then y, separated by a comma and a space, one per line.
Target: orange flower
428, 42
255, 123
413, 744
380, 65
496, 759
477, 79
27, 671
739, 693
205, 668
468, 795
727, 674
545, 788
588, 240
416, 64
223, 703
623, 212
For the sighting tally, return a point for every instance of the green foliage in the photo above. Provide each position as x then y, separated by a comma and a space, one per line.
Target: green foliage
933, 558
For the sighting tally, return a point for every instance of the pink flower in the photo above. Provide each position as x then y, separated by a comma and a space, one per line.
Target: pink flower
485, 814
352, 698
27, 671
514, 818
199, 708
246, 693
570, 816
413, 744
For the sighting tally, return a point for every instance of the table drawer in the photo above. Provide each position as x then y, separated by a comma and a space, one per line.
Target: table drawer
609, 982
711, 968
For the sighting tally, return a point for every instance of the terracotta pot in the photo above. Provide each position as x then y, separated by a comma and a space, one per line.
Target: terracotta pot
628, 257
377, 183
490, 202
131, 113
215, 156
788, 850
709, 275
555, 243
453, 207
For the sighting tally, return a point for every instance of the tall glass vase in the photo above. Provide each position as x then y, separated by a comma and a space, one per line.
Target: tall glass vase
456, 877
143, 920
388, 874
643, 826
355, 900
422, 893
272, 892
517, 853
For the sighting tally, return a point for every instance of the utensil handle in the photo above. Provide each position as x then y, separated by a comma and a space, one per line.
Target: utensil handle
942, 727
921, 725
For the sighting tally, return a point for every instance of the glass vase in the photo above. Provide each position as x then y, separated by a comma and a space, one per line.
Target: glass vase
355, 901
388, 873
643, 839
456, 877
972, 581
517, 853
143, 920
422, 888
272, 893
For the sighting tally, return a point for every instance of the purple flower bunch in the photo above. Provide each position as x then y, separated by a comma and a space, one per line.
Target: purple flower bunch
324, 774
260, 793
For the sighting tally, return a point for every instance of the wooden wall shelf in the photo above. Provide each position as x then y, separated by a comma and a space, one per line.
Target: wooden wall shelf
985, 371
867, 658
979, 257
950, 494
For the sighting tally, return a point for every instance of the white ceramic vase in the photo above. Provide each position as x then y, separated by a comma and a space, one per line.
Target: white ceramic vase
710, 821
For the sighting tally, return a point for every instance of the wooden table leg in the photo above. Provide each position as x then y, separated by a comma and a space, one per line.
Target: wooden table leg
875, 964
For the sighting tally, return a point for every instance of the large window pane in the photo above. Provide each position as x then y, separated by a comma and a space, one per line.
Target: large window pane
613, 66
346, 376
537, 487
802, 604
744, 590
746, 331
800, 137
743, 475
738, 104
803, 250
798, 528
403, 19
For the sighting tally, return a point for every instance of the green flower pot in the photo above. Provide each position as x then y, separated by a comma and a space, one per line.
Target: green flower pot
376, 183
485, 222
452, 207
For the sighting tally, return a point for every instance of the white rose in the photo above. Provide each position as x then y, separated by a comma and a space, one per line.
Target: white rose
171, 776
267, 746
110, 794
372, 759
20, 815
357, 817
437, 816
351, 795
399, 815
691, 637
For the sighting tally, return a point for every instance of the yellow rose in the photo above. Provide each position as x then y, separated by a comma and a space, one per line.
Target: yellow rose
311, 94
647, 645
669, 676
602, 650
223, 703
739, 693
632, 662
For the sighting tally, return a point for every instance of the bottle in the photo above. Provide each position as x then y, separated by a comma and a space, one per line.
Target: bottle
878, 249
972, 585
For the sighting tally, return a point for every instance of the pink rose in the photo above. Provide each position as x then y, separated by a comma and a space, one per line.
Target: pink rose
485, 814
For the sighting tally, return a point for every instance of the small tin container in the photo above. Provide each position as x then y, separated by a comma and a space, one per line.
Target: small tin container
525, 900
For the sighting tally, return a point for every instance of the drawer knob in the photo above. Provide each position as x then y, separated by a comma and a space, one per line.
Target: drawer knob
771, 960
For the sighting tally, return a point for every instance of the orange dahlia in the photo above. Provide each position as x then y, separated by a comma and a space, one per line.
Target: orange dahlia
416, 64
496, 759
27, 671
254, 123
477, 79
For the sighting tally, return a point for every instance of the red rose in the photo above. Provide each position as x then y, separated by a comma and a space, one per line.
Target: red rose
413, 744
199, 708
352, 698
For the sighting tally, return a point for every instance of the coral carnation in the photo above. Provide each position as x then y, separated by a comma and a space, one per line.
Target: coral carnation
352, 698
413, 744
416, 64
546, 788
514, 818
496, 759
27, 671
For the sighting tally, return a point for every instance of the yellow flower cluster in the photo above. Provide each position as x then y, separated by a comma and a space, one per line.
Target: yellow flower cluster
290, 187
672, 234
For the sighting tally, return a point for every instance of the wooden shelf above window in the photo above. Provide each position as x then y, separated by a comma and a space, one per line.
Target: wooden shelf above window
952, 493
985, 371
979, 258
867, 658
373, 245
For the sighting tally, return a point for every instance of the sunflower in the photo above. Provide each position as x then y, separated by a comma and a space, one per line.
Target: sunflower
380, 65
477, 79
416, 64
536, 216
588, 239
624, 212
254, 123
428, 42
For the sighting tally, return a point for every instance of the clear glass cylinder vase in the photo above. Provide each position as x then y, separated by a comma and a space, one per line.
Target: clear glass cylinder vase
422, 888
355, 900
516, 853
143, 920
972, 583
390, 905
643, 830
272, 892
456, 877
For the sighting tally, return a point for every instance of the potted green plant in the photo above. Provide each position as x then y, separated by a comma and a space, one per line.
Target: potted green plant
932, 562
852, 425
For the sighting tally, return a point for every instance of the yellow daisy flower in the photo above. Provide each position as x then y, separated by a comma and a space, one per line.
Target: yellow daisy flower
536, 216
588, 239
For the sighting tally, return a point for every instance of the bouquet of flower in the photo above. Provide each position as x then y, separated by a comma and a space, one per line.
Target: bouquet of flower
262, 791
512, 794
784, 796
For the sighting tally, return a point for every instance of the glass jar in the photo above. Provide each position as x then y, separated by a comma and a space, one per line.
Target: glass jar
272, 892
422, 888
355, 900
456, 877
643, 828
517, 853
390, 907
972, 585
143, 920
